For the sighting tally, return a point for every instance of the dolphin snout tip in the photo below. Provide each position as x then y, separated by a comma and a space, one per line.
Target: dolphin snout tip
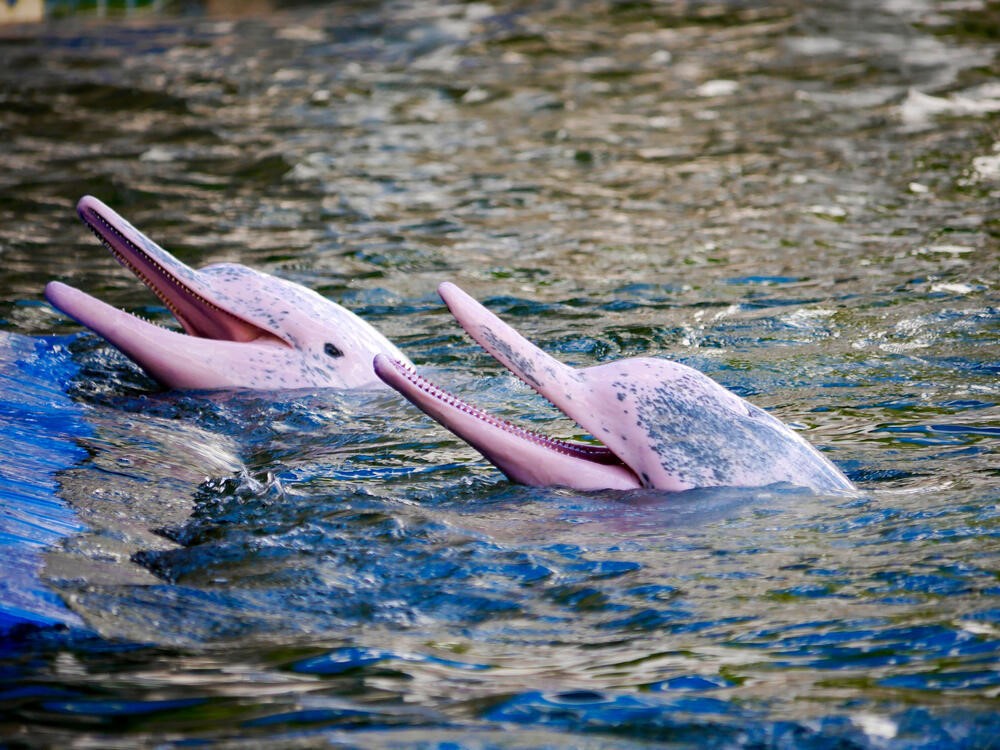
447, 290
460, 303
385, 366
85, 203
53, 289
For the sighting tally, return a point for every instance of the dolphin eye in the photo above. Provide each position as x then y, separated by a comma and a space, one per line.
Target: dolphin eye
332, 351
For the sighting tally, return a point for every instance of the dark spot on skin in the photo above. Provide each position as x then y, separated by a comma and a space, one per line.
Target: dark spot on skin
332, 350
523, 366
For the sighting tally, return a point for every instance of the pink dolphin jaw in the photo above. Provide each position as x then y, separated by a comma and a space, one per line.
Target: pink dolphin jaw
242, 328
663, 425
526, 457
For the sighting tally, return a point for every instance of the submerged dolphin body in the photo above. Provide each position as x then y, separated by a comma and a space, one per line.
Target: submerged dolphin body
243, 328
663, 425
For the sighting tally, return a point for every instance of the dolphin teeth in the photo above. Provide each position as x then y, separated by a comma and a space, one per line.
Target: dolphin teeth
92, 218
138, 273
144, 319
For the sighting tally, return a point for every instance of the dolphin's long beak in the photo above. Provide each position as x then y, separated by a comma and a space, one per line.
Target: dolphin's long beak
524, 456
174, 358
177, 285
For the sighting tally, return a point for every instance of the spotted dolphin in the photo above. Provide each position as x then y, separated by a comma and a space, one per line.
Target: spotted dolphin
242, 328
662, 425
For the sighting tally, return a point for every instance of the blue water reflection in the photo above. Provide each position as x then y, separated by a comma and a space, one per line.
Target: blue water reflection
797, 199
41, 427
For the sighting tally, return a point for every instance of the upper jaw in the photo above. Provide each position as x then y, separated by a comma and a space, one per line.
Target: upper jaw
177, 285
524, 456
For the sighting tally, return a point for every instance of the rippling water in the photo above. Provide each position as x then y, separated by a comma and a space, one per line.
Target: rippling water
800, 200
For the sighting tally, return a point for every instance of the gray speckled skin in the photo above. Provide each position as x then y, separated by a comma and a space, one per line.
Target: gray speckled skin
680, 429
243, 328
664, 425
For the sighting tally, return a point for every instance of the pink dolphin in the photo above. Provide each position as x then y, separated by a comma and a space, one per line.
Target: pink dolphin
663, 425
243, 328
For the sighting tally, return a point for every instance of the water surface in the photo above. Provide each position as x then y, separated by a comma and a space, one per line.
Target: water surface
800, 201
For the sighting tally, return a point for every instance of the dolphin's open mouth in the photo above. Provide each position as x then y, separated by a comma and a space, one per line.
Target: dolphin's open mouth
240, 328
523, 455
519, 453
173, 282
660, 424
586, 452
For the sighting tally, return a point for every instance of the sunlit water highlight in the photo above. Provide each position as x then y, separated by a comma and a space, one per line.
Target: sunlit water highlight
800, 202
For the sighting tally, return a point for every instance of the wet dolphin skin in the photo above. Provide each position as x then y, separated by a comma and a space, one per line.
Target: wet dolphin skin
662, 425
242, 328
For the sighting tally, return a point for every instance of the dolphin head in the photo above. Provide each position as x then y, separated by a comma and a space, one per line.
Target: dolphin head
242, 328
661, 424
